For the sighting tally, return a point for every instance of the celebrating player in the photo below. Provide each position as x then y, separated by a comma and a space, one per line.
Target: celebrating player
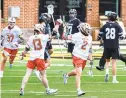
46, 18
81, 52
111, 32
10, 38
37, 44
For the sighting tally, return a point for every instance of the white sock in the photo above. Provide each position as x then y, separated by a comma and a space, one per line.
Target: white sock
107, 71
114, 77
1, 74
67, 75
47, 89
78, 89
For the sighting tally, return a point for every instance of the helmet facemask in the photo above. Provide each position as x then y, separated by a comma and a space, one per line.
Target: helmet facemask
85, 29
11, 22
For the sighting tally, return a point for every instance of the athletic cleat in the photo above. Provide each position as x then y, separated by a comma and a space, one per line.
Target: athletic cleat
106, 77
51, 91
79, 93
21, 92
65, 78
10, 65
99, 68
115, 81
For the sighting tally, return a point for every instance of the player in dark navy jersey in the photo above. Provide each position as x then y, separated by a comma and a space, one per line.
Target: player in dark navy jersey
73, 23
110, 33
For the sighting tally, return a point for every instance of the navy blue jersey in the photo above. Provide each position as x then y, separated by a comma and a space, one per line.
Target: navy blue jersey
110, 33
72, 25
48, 45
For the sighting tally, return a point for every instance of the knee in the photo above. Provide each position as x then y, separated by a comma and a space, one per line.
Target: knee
4, 59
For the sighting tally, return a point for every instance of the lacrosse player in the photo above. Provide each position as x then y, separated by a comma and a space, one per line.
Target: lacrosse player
73, 23
110, 33
37, 44
10, 38
46, 18
102, 61
83, 42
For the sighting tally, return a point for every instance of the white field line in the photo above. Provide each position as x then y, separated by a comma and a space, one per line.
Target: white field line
56, 64
66, 84
14, 91
61, 76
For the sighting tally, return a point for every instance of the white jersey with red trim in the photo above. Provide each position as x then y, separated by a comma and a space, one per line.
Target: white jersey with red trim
82, 45
37, 44
11, 37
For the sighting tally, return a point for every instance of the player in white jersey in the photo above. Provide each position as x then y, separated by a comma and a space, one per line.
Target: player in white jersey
83, 42
36, 44
10, 38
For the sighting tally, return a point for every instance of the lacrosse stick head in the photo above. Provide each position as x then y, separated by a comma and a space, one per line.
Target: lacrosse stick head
50, 9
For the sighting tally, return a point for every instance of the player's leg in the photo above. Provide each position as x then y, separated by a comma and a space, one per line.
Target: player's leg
79, 69
41, 67
3, 61
101, 63
12, 57
38, 75
25, 80
69, 74
115, 54
122, 58
30, 67
107, 56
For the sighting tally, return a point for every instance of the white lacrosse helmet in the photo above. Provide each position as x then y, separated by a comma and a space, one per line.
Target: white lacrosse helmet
11, 19
85, 28
39, 28
11, 22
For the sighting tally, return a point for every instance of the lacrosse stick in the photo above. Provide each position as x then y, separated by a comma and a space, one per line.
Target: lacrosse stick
98, 49
50, 9
90, 72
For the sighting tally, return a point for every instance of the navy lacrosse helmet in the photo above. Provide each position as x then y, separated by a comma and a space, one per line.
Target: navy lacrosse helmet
72, 13
112, 16
45, 17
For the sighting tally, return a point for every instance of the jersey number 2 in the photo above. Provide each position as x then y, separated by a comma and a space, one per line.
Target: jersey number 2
37, 44
110, 33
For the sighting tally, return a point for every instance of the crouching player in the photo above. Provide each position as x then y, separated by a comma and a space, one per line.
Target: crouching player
83, 42
37, 44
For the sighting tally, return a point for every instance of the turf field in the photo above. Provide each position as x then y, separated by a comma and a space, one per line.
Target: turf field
95, 87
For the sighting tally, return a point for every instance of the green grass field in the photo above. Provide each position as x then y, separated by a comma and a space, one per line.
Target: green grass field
95, 87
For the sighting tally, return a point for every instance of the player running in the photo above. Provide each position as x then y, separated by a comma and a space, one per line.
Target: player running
110, 33
10, 38
37, 44
81, 52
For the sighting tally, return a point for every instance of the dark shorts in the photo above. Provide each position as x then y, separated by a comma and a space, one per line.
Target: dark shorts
111, 52
46, 55
70, 47
48, 46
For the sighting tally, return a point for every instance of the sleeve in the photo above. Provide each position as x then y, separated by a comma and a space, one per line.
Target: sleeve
74, 38
121, 33
100, 33
19, 32
2, 37
79, 22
